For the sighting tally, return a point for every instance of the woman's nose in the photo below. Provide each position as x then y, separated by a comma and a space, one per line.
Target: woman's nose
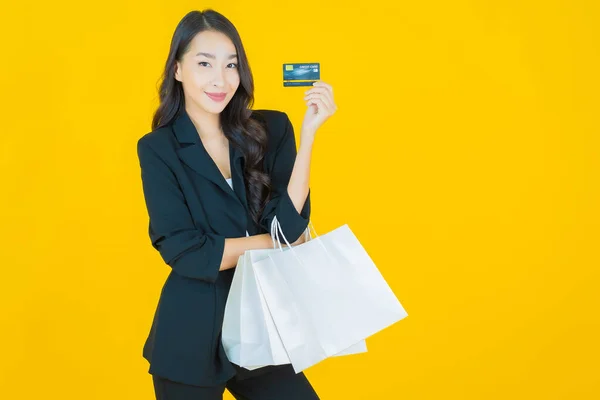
218, 78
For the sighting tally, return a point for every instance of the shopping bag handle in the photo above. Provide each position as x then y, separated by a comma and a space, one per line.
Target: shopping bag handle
276, 230
275, 233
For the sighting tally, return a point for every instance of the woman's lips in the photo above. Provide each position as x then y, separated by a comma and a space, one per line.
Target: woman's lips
216, 96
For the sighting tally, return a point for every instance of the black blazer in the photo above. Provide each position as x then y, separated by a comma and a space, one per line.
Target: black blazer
192, 209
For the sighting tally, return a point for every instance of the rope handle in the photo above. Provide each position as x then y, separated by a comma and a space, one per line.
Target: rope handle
276, 230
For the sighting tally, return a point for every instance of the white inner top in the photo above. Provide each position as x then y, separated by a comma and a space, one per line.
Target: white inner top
230, 181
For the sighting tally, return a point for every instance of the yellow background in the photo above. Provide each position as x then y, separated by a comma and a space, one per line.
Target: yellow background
464, 155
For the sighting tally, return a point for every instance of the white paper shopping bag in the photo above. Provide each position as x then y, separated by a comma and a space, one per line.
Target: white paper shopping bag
325, 296
249, 335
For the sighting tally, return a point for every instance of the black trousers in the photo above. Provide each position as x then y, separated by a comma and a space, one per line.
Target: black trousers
281, 383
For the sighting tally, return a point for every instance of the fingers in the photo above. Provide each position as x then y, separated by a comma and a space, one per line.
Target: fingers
321, 105
321, 83
324, 92
323, 99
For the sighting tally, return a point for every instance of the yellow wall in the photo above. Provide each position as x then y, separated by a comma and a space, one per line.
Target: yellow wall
464, 155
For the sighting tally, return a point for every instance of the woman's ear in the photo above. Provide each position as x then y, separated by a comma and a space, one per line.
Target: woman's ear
178, 71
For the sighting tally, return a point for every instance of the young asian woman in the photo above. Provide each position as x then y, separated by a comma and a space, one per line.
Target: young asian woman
214, 174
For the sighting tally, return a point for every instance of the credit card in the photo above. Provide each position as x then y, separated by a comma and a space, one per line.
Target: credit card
301, 74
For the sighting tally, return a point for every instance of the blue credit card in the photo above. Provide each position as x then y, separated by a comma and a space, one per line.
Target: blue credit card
301, 74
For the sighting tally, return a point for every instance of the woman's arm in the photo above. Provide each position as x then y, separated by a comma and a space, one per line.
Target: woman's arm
299, 180
321, 98
235, 247
191, 253
293, 221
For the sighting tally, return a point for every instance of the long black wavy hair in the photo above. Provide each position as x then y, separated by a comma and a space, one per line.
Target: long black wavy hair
247, 134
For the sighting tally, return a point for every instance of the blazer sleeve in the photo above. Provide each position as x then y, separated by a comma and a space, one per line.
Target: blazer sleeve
292, 223
189, 251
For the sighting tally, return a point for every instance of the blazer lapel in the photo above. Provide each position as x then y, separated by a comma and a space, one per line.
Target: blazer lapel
194, 155
237, 174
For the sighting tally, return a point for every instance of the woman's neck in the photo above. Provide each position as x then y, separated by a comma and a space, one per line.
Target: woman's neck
208, 125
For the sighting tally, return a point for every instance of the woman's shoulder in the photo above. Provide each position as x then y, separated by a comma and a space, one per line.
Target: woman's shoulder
273, 115
275, 121
156, 139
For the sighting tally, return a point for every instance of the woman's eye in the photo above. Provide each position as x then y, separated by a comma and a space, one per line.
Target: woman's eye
202, 63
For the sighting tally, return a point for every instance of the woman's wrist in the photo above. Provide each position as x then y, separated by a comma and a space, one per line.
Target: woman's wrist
267, 241
307, 138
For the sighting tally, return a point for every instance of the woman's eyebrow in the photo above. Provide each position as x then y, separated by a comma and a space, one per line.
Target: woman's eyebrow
209, 55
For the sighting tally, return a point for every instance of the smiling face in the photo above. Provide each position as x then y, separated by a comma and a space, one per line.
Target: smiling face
209, 72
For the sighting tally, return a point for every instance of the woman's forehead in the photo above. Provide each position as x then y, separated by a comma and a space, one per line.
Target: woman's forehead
213, 44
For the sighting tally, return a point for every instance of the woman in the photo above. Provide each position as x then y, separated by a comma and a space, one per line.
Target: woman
214, 175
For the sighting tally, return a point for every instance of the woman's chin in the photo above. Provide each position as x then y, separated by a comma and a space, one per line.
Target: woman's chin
214, 108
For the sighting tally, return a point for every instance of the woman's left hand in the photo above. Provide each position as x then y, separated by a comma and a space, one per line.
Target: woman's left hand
321, 106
